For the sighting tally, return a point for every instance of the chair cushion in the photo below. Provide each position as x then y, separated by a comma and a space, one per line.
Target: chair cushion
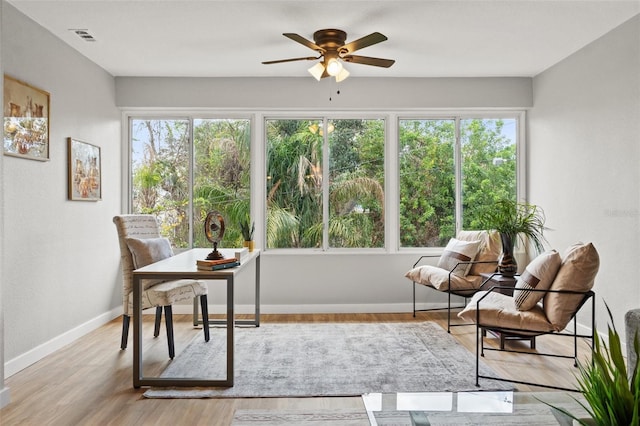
458, 251
577, 272
170, 292
148, 250
539, 275
498, 310
438, 278
490, 249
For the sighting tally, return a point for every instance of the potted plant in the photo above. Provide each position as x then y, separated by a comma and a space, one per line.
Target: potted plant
612, 395
513, 219
247, 233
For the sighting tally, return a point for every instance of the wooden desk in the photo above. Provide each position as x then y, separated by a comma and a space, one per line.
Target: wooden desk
182, 266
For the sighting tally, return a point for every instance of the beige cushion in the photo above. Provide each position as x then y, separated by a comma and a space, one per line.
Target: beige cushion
148, 250
539, 275
458, 251
577, 272
169, 293
145, 251
498, 310
438, 278
490, 249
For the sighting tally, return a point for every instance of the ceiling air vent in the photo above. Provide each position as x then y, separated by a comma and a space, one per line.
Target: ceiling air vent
83, 34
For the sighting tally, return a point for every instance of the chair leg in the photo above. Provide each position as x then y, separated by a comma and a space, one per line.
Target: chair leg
168, 318
205, 316
156, 329
125, 331
414, 299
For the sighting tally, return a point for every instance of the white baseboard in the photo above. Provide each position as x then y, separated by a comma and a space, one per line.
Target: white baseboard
5, 397
20, 362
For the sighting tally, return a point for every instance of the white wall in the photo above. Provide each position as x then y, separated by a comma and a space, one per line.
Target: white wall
305, 92
60, 272
4, 391
584, 160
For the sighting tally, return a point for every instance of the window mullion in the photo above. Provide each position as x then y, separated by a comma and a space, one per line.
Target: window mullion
325, 186
458, 176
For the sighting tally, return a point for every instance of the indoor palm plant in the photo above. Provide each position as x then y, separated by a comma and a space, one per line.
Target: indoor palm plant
513, 219
612, 394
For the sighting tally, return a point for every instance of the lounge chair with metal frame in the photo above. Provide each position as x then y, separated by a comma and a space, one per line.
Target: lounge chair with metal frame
552, 309
458, 269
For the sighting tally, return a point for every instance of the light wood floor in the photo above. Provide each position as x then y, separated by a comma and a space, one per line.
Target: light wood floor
90, 381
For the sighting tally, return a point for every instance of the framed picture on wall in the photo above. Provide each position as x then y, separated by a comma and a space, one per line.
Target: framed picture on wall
26, 120
84, 171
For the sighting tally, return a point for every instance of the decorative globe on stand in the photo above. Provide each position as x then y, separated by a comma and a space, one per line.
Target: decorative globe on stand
214, 231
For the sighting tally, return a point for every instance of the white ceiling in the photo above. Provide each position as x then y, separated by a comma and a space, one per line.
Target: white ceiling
229, 38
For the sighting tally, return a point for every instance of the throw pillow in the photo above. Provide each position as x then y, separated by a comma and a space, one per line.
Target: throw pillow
148, 250
458, 251
577, 272
539, 274
489, 251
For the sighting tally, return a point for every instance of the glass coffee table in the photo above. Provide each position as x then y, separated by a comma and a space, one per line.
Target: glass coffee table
472, 408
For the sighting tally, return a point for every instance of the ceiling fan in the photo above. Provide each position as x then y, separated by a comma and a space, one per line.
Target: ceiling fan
330, 44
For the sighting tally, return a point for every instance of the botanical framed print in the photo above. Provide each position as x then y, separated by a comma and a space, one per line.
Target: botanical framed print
26, 120
84, 171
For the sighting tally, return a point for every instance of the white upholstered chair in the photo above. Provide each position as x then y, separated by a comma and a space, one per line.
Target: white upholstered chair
141, 245
459, 267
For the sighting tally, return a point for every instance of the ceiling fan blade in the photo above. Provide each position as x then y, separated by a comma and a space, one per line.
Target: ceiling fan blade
306, 58
365, 60
304, 41
363, 42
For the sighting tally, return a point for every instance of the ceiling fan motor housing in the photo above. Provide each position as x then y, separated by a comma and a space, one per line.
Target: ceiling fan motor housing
331, 39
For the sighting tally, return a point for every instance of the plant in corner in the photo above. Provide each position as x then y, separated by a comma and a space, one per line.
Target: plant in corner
513, 219
612, 394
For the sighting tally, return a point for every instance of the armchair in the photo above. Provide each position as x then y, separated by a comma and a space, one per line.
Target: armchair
458, 269
141, 245
548, 295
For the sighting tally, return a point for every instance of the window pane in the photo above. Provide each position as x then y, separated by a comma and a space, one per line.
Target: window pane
427, 182
294, 183
221, 180
356, 192
488, 165
160, 174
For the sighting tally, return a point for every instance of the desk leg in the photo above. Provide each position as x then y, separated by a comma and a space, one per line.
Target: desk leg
257, 314
230, 330
137, 333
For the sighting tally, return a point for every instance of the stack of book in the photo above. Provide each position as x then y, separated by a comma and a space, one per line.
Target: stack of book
215, 265
241, 253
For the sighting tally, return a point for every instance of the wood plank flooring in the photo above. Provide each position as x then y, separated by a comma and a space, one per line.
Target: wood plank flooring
90, 381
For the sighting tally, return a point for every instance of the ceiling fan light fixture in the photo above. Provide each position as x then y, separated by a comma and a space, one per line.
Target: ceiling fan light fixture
342, 75
334, 67
317, 70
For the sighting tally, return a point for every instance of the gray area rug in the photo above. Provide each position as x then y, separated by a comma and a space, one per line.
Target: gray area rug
318, 359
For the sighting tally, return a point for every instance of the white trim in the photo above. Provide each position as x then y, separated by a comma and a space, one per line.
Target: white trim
34, 355
5, 397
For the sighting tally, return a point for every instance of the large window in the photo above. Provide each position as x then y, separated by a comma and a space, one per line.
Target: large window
439, 195
180, 174
324, 179
319, 201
